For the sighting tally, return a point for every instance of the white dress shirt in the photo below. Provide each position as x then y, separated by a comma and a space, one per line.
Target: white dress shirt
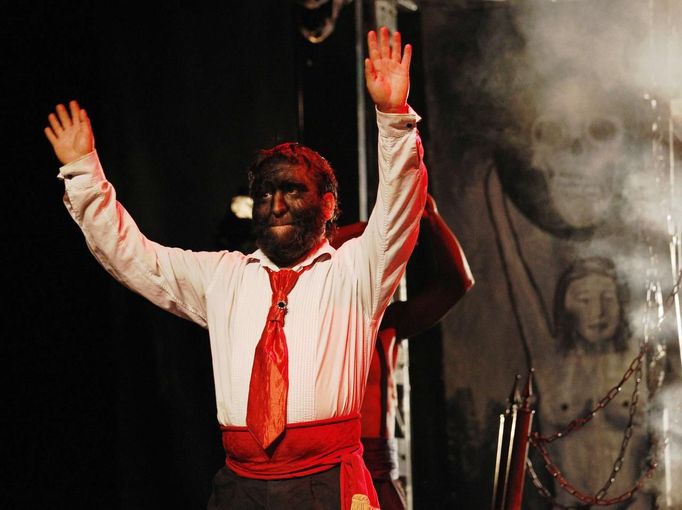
334, 310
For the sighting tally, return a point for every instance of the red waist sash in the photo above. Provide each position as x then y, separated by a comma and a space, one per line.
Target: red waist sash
305, 449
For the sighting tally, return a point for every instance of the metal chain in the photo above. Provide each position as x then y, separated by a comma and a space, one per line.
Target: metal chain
670, 300
648, 471
540, 443
610, 395
627, 434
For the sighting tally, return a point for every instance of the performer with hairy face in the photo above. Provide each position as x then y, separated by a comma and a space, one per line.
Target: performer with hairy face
290, 226
292, 325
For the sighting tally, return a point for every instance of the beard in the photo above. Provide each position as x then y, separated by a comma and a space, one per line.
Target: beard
304, 232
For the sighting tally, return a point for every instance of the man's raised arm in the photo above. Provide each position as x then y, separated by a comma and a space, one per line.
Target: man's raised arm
381, 253
171, 278
70, 133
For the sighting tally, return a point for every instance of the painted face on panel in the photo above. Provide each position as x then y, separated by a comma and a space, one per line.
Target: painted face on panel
288, 215
593, 303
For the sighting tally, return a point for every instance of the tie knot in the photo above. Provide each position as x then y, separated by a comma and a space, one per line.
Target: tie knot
282, 282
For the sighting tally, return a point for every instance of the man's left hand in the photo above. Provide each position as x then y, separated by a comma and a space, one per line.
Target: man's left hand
387, 71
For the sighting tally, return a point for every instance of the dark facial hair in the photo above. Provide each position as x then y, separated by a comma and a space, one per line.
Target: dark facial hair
307, 228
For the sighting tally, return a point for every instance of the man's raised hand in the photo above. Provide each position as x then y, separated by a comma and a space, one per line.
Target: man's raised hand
70, 133
387, 71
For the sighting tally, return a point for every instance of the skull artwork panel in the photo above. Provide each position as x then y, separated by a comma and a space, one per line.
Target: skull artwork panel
540, 144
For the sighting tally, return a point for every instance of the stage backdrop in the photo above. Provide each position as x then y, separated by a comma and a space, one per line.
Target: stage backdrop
540, 156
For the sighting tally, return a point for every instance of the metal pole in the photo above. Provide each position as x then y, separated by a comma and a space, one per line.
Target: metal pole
519, 449
505, 442
360, 108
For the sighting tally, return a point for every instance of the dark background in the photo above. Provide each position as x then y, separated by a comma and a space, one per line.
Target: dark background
108, 401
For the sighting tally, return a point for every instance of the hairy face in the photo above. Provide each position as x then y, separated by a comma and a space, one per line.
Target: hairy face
288, 218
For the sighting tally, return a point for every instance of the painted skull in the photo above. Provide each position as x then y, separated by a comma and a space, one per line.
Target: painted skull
577, 143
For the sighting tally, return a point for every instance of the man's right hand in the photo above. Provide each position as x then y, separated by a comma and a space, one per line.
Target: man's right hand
70, 133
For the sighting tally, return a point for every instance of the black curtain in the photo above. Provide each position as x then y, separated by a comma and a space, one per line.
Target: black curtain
110, 402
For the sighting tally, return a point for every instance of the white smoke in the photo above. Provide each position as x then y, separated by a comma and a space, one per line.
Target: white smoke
576, 61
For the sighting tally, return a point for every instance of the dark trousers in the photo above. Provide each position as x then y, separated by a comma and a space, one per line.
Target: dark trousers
315, 492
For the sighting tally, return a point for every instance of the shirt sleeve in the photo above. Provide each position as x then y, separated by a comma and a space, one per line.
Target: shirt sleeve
172, 278
381, 253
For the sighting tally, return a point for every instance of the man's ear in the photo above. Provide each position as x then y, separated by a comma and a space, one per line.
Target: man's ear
328, 205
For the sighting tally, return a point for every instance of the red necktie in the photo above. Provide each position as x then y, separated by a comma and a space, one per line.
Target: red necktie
266, 413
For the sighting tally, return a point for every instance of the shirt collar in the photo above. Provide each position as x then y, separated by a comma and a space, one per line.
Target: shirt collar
324, 251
